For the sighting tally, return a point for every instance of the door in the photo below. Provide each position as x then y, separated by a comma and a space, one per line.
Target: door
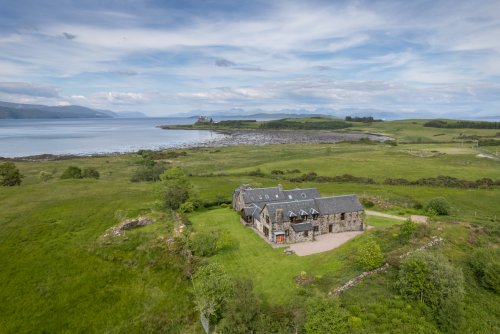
330, 228
280, 238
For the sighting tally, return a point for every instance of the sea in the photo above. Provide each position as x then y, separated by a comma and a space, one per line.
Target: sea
28, 137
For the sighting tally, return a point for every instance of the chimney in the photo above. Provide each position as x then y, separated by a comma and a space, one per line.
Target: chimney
280, 186
279, 215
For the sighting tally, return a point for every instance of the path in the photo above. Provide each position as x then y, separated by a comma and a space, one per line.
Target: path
385, 215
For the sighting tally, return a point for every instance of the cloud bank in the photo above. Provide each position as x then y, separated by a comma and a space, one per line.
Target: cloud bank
439, 56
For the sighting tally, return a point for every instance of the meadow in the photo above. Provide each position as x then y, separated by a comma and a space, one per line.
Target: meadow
58, 276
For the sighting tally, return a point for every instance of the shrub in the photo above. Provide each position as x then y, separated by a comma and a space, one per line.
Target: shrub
439, 205
90, 172
45, 176
485, 264
149, 172
277, 172
370, 256
175, 196
407, 230
367, 203
326, 316
203, 243
72, 172
256, 172
431, 279
10, 174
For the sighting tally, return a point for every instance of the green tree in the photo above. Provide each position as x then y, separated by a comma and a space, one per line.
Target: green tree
10, 174
72, 172
431, 279
212, 289
370, 256
203, 243
175, 178
241, 310
90, 172
439, 205
407, 230
175, 196
326, 316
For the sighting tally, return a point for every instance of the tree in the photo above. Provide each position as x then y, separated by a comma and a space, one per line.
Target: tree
72, 172
370, 256
90, 172
439, 205
212, 289
175, 177
203, 243
326, 316
241, 310
431, 279
175, 196
10, 174
407, 230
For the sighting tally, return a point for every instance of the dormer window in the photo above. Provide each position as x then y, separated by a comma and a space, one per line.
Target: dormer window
303, 214
292, 216
314, 213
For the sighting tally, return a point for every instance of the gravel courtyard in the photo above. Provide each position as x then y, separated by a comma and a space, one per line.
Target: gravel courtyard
323, 243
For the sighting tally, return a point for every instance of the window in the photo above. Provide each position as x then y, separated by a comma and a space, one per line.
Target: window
315, 216
306, 233
303, 195
267, 196
287, 232
342, 216
316, 228
304, 217
292, 219
267, 219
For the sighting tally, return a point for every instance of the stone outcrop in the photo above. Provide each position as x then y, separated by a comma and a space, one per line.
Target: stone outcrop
127, 225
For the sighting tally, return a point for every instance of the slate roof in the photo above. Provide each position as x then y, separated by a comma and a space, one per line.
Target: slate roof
301, 194
302, 227
293, 206
338, 204
260, 195
275, 194
322, 205
252, 211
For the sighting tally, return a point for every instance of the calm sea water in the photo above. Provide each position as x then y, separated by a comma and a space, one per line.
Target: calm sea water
90, 136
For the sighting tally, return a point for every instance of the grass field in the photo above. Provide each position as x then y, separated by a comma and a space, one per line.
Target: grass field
57, 277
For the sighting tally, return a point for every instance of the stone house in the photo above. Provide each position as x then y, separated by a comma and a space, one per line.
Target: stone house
289, 216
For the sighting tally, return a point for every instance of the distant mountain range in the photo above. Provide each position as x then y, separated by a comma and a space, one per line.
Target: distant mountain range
35, 111
341, 113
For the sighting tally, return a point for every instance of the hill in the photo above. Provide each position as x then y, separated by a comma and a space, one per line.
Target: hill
35, 111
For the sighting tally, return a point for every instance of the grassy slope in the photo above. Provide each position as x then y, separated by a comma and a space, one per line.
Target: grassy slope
56, 277
48, 231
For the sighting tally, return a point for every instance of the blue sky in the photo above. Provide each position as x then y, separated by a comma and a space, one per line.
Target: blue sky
416, 58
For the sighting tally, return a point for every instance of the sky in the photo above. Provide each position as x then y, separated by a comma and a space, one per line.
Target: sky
413, 58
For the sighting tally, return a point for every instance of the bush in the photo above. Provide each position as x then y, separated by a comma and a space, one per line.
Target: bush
203, 243
370, 256
326, 316
149, 172
367, 203
72, 172
485, 264
277, 172
175, 196
90, 172
10, 174
407, 230
45, 176
431, 279
439, 205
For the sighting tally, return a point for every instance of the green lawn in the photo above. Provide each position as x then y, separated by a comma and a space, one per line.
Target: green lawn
271, 269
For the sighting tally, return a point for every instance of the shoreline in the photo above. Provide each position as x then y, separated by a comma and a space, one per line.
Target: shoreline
230, 138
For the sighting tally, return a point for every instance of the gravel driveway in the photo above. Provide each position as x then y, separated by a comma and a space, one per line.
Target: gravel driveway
323, 243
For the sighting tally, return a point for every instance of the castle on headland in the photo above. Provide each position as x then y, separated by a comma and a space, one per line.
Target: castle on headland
289, 216
204, 120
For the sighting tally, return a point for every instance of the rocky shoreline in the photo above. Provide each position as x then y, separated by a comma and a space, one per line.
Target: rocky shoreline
233, 138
